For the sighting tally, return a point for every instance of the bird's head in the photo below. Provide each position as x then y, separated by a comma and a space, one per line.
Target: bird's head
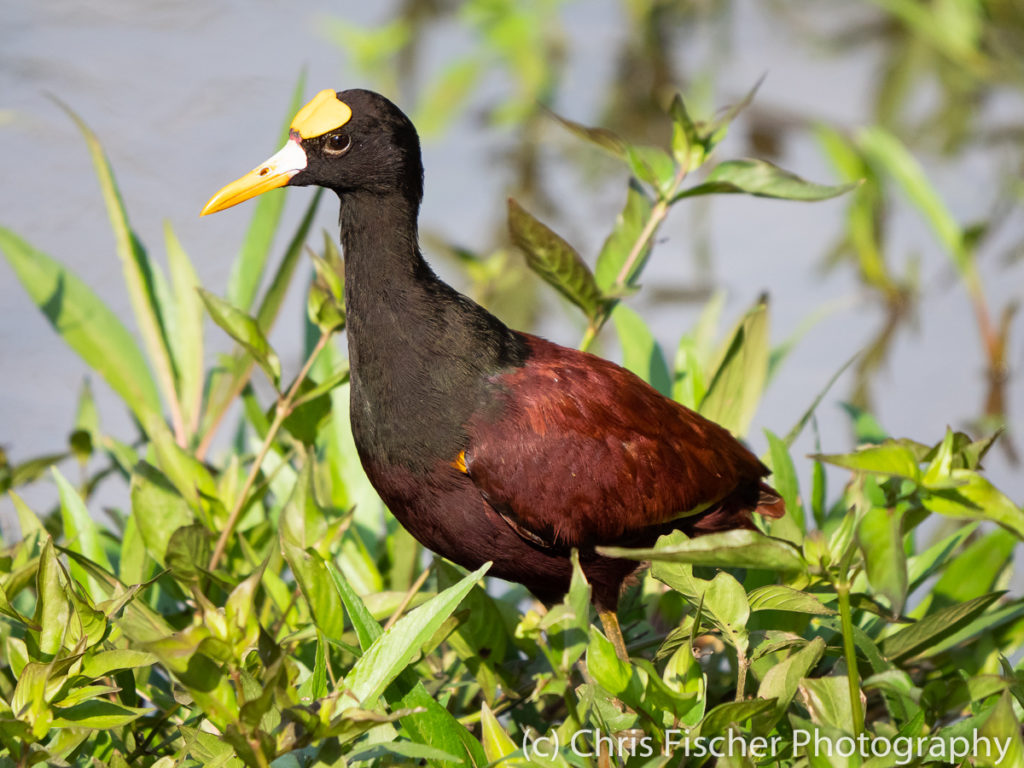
348, 141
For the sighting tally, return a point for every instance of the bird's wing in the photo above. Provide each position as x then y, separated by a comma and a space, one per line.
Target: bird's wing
583, 452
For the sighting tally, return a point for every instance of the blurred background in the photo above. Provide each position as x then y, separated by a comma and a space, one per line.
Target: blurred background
920, 274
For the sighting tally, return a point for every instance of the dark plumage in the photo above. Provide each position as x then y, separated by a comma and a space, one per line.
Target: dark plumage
487, 443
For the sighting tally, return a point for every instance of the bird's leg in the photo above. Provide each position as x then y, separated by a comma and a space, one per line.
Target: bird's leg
610, 622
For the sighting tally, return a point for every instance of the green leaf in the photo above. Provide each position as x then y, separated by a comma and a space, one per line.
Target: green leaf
974, 571
434, 725
893, 457
315, 581
210, 749
629, 225
777, 597
247, 269
568, 624
601, 137
82, 534
188, 551
974, 497
85, 323
641, 352
653, 165
828, 701
729, 549
103, 663
611, 673
366, 627
934, 627
390, 653
736, 385
497, 744
98, 713
684, 133
887, 152
782, 680
246, 331
761, 179
412, 752
784, 479
446, 96
183, 654
157, 509
146, 286
87, 419
880, 536
553, 259
1002, 728
186, 343
53, 610
924, 565
722, 717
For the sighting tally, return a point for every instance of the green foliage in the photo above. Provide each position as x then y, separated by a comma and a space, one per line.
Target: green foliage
232, 615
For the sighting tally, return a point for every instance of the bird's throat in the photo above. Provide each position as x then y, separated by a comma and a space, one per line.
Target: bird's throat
422, 356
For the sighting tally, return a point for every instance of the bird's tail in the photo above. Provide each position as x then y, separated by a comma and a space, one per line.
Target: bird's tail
736, 511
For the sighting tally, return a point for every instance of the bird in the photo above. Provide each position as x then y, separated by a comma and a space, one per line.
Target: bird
487, 443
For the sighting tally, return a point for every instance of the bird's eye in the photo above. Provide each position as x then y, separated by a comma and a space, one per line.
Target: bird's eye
339, 143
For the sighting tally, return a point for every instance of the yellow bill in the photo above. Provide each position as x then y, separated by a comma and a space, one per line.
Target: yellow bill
324, 113
274, 173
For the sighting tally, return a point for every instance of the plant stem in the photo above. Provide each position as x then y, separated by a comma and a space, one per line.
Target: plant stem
591, 333
850, 654
283, 410
658, 213
742, 664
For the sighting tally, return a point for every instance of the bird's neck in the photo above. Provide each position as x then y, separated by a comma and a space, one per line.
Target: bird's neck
420, 353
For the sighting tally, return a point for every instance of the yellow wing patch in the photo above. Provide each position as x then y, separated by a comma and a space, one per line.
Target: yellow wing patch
460, 463
325, 112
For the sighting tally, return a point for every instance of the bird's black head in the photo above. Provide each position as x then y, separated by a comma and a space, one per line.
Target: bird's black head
352, 141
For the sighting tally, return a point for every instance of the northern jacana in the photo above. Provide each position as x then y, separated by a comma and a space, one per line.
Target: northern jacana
487, 443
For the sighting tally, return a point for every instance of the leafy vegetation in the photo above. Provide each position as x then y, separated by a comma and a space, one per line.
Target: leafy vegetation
258, 608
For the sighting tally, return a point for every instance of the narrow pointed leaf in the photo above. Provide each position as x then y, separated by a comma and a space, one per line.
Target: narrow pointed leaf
553, 259
761, 179
629, 225
390, 653
641, 352
601, 137
85, 323
889, 153
245, 331
731, 549
934, 627
82, 534
187, 342
736, 386
497, 744
147, 288
881, 542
